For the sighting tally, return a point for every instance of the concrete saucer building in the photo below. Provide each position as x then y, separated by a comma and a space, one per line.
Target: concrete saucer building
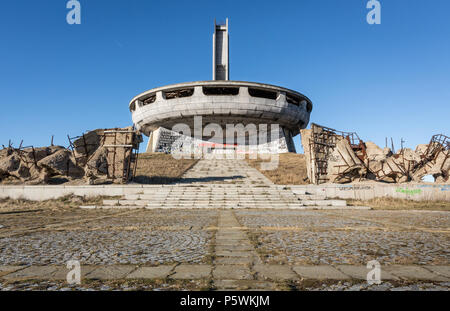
221, 102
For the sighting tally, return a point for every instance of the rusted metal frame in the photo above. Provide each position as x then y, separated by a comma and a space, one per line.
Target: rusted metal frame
136, 151
445, 160
312, 170
114, 158
34, 156
20, 152
124, 159
72, 147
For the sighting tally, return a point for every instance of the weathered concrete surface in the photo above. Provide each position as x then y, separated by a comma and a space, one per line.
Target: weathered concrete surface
370, 190
414, 272
232, 272
275, 272
192, 272
360, 272
233, 109
320, 273
226, 273
441, 270
159, 272
33, 272
105, 273
4, 270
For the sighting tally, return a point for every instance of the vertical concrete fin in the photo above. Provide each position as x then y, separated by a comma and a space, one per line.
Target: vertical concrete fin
221, 68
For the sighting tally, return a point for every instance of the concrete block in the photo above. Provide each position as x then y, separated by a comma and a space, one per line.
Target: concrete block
338, 202
4, 270
275, 272
360, 272
414, 273
441, 270
232, 272
110, 272
33, 273
61, 272
159, 272
320, 273
111, 202
192, 272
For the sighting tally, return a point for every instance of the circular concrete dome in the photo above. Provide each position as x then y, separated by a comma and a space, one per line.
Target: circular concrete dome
221, 102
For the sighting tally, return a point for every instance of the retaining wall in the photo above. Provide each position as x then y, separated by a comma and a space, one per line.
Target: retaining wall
367, 191
362, 191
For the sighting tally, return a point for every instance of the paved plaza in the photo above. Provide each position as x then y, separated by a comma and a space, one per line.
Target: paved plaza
224, 248
236, 249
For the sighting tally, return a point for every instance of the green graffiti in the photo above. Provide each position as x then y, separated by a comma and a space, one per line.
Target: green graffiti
408, 191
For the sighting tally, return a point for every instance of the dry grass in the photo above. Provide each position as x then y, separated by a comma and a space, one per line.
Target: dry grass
291, 169
402, 204
161, 168
72, 201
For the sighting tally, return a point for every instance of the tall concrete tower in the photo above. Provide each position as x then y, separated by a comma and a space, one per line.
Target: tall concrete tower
221, 68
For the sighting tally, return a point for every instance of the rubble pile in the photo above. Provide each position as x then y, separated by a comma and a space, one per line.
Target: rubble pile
97, 156
342, 157
37, 165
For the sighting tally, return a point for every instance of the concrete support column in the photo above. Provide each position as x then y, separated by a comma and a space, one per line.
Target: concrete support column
159, 96
138, 104
281, 97
198, 91
150, 143
243, 92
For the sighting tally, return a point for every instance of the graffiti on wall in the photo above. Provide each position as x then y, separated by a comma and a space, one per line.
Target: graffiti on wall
408, 191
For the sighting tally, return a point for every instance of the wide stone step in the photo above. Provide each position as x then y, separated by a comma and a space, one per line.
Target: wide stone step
311, 197
212, 197
339, 203
194, 202
289, 206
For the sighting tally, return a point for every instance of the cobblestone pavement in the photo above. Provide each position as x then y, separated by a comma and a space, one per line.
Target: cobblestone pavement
164, 285
149, 237
349, 237
224, 249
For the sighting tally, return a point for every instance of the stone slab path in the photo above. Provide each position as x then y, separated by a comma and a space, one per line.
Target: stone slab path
228, 276
234, 254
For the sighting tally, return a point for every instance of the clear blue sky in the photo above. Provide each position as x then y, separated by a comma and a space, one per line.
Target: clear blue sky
382, 80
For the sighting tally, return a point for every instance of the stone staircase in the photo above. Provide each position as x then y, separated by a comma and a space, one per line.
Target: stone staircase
223, 184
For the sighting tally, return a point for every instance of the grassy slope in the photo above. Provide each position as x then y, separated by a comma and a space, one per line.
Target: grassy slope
291, 169
401, 204
160, 168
